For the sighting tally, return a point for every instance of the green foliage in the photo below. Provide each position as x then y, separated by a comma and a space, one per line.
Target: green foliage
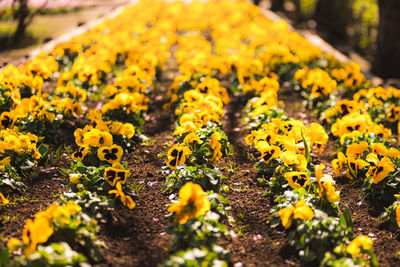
366, 15
322, 233
54, 254
96, 206
198, 257
201, 232
209, 179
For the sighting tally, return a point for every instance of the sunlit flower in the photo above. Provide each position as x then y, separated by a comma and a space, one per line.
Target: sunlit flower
338, 163
191, 138
354, 166
177, 155
379, 169
193, 202
356, 150
326, 186
116, 173
125, 199
110, 154
3, 199
97, 138
398, 215
297, 179
216, 147
75, 177
36, 232
359, 245
318, 137
80, 154
299, 211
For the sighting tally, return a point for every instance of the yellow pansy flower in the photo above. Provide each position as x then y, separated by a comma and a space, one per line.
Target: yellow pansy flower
379, 169
110, 154
299, 211
116, 173
297, 179
359, 245
3, 199
126, 200
177, 155
193, 202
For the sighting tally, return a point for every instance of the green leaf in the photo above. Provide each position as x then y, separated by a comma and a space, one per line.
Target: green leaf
43, 150
58, 152
347, 216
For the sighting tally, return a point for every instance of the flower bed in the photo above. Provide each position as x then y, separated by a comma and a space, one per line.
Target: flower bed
93, 97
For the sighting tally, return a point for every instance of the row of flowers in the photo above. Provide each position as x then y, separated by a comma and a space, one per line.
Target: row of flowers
368, 151
84, 66
198, 210
362, 118
287, 150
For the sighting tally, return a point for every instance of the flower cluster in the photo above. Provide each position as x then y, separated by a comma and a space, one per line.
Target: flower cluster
52, 227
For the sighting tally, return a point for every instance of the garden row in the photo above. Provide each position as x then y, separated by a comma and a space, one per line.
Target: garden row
35, 123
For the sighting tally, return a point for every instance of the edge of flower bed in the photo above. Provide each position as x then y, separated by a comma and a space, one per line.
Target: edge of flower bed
319, 42
80, 30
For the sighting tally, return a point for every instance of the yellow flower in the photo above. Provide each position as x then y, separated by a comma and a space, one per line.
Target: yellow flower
354, 165
292, 158
116, 173
379, 148
126, 200
3, 199
36, 232
379, 169
186, 127
299, 211
393, 113
191, 138
356, 150
359, 245
326, 185
216, 147
128, 130
7, 120
110, 154
75, 177
337, 164
97, 138
177, 155
80, 154
289, 157
5, 162
318, 137
268, 152
193, 203
297, 179
398, 215
13, 244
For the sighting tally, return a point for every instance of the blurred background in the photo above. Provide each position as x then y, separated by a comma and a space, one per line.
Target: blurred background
368, 31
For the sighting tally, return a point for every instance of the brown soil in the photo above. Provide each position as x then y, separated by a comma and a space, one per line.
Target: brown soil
43, 190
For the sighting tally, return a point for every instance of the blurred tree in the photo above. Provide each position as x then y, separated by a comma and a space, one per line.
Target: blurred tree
23, 15
333, 17
387, 56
